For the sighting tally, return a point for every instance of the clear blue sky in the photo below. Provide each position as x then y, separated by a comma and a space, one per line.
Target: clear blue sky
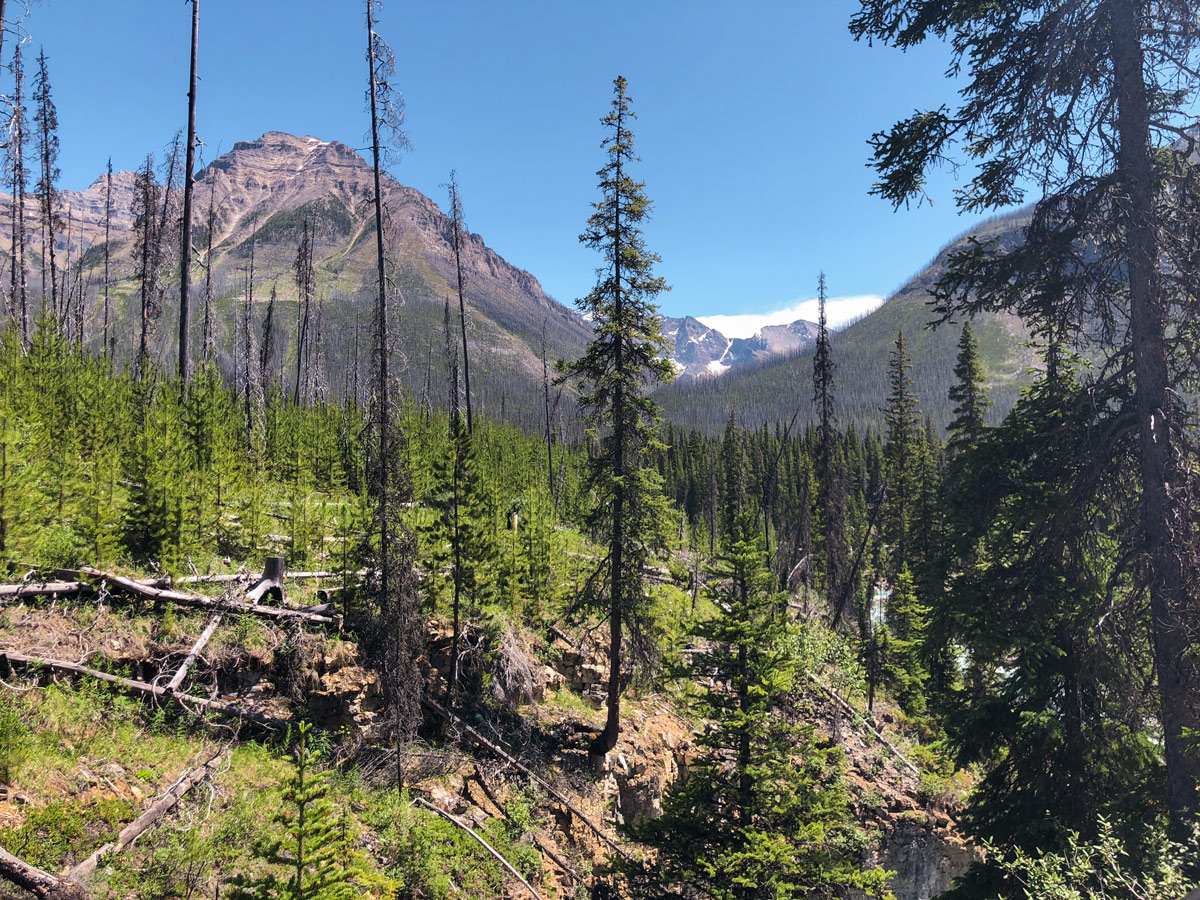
752, 122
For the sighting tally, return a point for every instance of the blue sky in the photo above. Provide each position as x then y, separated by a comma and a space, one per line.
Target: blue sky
752, 122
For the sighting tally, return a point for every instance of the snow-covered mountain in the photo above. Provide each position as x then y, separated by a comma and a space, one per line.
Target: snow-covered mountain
699, 351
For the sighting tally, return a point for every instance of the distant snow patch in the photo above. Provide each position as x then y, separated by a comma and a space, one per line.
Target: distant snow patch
716, 367
839, 310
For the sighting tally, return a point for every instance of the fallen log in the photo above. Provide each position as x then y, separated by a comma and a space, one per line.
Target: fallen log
42, 588
131, 832
181, 673
218, 706
486, 846
503, 754
41, 884
199, 601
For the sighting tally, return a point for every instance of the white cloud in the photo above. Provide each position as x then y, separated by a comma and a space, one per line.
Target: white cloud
839, 311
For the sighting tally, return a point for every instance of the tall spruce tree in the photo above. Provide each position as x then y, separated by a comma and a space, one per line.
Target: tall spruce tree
763, 812
46, 135
1070, 99
901, 453
831, 487
733, 471
968, 394
621, 360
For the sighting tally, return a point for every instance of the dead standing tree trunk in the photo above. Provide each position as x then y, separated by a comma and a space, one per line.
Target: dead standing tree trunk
185, 241
458, 228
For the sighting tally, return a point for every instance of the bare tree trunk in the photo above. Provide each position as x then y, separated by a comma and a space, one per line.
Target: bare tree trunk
456, 215
16, 149
208, 341
1174, 612
304, 277
546, 398
185, 242
108, 208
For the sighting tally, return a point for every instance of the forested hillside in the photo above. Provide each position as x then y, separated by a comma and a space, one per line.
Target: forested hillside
775, 390
259, 208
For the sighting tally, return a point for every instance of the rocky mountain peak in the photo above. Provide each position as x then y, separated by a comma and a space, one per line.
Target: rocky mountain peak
700, 351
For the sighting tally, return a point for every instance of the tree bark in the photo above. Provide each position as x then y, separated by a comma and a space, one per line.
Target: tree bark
181, 673
1172, 610
185, 264
131, 832
41, 884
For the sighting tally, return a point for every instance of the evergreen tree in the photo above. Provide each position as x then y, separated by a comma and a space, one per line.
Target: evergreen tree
621, 359
968, 394
1072, 99
831, 488
312, 857
763, 812
733, 470
46, 122
1054, 699
901, 456
902, 646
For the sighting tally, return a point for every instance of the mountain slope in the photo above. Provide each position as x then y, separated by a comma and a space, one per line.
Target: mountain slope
777, 389
265, 190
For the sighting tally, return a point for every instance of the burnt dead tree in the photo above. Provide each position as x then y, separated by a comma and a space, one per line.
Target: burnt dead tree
185, 238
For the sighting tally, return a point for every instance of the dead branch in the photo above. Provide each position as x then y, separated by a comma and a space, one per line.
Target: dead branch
486, 846
436, 707
160, 808
44, 588
41, 884
542, 845
218, 706
133, 586
177, 679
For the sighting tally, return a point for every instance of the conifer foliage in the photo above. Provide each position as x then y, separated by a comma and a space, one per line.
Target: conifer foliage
763, 812
968, 394
311, 856
1071, 98
621, 360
